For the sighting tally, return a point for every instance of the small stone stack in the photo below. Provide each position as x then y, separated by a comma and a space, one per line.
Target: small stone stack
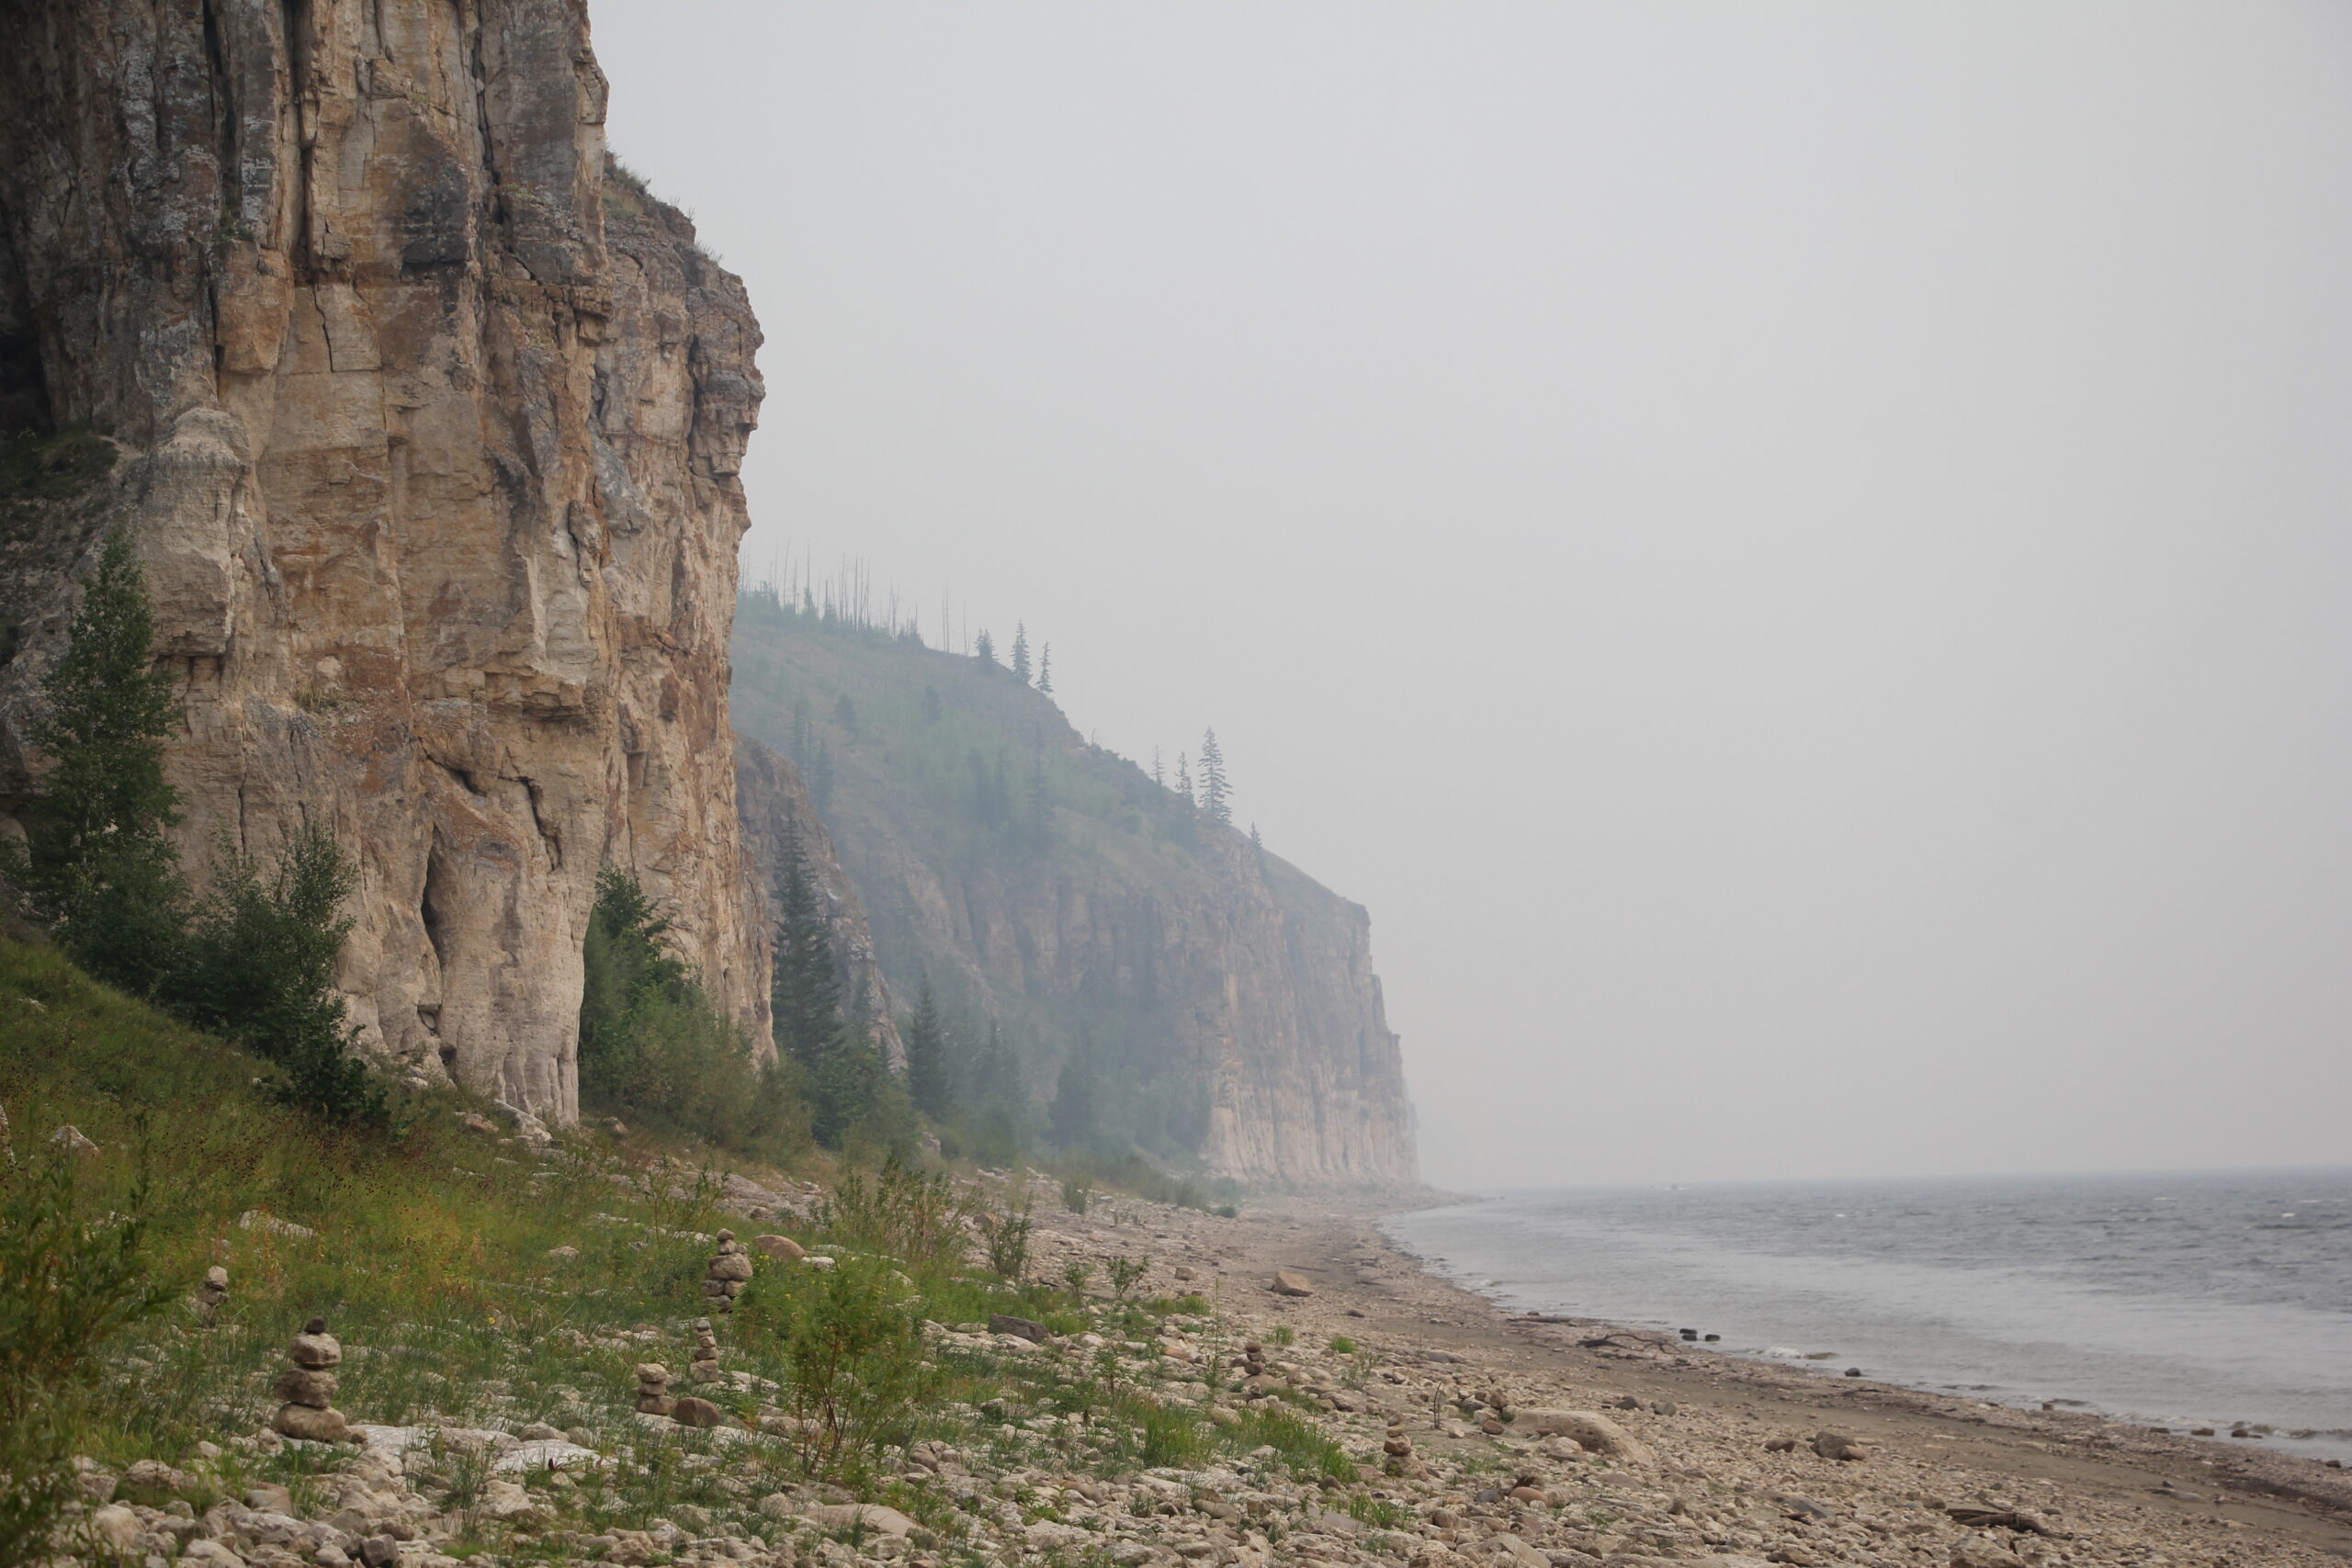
706, 1364
653, 1390
308, 1388
1398, 1448
728, 1271
213, 1293
1255, 1376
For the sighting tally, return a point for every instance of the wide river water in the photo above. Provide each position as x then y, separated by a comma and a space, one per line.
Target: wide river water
2180, 1299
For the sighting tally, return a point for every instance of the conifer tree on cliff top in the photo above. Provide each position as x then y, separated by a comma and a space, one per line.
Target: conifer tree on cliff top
97, 863
1215, 794
1021, 651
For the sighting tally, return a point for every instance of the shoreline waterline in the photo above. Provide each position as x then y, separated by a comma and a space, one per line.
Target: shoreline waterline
2169, 1300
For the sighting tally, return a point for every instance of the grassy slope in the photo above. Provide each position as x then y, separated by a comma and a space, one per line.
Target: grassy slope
430, 1261
930, 812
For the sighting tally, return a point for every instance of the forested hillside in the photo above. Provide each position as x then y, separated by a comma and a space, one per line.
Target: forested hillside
1114, 968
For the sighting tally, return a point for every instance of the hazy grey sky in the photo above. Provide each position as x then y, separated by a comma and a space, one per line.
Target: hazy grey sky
1797, 555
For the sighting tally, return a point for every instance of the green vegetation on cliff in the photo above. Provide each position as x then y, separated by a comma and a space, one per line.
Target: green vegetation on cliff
972, 817
1115, 969
254, 957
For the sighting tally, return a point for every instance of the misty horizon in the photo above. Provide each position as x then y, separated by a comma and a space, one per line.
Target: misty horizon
1793, 559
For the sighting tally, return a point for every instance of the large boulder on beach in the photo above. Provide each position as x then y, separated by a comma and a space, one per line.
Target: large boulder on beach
1837, 1445
1290, 1282
1592, 1431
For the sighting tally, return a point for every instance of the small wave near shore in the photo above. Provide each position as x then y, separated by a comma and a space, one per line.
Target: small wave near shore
2217, 1300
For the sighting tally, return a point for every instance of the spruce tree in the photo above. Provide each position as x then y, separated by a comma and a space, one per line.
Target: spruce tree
1184, 779
806, 996
984, 650
1045, 671
258, 965
930, 1083
97, 863
849, 1083
1216, 795
1021, 651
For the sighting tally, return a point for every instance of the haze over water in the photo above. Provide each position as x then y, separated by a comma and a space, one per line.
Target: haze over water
2184, 1300
1804, 542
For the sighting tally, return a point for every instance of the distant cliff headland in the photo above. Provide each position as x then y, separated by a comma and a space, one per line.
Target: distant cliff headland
1104, 924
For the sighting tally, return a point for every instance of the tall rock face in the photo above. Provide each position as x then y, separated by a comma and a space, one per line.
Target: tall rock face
427, 432
1227, 999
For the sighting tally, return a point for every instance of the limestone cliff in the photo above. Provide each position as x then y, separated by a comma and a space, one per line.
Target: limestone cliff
428, 430
1040, 881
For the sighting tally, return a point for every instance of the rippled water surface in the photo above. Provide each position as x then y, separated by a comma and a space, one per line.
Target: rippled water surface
2196, 1300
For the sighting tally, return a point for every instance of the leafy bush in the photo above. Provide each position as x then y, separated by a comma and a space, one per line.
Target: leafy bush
653, 1047
853, 1339
1125, 1274
915, 1218
1006, 1236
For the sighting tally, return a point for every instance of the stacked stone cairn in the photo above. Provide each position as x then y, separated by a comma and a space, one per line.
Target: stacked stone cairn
213, 1293
706, 1364
653, 1390
1254, 1375
1398, 1448
308, 1388
728, 1271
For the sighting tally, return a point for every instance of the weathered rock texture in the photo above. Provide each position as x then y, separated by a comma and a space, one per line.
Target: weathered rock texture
429, 432
772, 803
1228, 998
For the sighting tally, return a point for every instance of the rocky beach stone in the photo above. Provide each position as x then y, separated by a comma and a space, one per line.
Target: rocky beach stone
1838, 1445
1019, 1327
1589, 1429
781, 1248
690, 1411
1290, 1282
